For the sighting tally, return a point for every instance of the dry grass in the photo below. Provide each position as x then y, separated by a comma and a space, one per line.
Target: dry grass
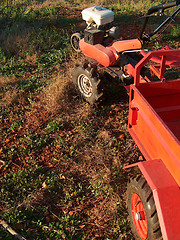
60, 94
31, 59
11, 96
132, 5
6, 80
39, 4
53, 95
136, 6
104, 135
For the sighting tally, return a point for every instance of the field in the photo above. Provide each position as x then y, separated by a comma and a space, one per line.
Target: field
61, 160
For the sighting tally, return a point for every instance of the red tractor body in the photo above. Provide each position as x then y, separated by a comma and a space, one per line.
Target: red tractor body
108, 56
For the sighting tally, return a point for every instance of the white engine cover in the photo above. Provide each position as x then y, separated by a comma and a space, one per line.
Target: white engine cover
97, 14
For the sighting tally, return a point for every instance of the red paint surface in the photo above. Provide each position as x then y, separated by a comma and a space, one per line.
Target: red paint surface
154, 124
141, 225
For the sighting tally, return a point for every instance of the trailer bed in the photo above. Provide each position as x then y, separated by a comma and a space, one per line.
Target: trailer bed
154, 124
166, 104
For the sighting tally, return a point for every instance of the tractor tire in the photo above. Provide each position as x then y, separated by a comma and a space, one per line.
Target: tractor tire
75, 38
87, 83
142, 210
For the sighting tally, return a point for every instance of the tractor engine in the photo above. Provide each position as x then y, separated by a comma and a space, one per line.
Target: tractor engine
99, 28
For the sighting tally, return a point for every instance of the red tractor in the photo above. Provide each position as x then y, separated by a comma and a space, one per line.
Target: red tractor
153, 196
105, 54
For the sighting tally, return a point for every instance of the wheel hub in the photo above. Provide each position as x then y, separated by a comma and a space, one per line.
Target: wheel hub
85, 85
139, 216
76, 42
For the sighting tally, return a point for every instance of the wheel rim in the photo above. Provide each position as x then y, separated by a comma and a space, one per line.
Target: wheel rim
75, 43
139, 216
85, 85
75, 38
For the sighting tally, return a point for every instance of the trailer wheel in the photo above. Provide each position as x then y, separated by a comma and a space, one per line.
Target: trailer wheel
88, 84
142, 210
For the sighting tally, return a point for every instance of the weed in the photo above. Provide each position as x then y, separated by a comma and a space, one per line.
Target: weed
53, 126
173, 36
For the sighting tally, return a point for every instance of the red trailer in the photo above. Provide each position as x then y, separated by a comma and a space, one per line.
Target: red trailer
153, 198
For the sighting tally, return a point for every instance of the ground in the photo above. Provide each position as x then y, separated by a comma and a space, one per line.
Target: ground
61, 160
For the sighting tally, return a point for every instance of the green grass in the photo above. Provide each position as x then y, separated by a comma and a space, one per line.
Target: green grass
61, 160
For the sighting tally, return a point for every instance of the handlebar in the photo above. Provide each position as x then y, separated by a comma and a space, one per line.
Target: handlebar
160, 7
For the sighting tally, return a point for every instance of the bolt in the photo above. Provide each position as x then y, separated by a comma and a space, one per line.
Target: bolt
140, 216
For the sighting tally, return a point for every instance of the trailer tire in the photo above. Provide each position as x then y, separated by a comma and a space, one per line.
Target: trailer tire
87, 83
142, 210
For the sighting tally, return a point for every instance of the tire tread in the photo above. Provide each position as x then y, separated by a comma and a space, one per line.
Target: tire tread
141, 187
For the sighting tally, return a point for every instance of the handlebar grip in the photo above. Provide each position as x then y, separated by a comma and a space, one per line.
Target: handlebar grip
169, 4
162, 6
157, 8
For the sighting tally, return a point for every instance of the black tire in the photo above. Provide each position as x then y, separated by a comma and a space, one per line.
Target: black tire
88, 83
75, 38
142, 210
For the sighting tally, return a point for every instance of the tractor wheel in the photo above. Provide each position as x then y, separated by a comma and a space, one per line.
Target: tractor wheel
75, 38
142, 210
88, 84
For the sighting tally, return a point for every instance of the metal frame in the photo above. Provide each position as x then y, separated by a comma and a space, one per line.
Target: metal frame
170, 57
159, 8
152, 126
